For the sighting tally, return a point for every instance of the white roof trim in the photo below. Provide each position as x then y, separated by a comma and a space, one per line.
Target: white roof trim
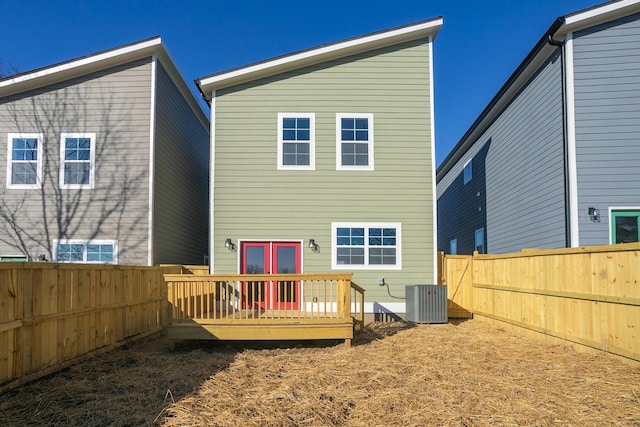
599, 14
100, 61
569, 23
320, 54
80, 62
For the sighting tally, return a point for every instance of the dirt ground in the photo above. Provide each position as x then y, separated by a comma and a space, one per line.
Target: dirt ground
459, 374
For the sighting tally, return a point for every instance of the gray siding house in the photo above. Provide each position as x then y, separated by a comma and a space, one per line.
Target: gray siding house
554, 159
105, 160
323, 160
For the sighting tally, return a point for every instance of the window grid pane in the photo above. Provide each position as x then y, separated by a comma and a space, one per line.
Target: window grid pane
354, 135
87, 251
77, 158
25, 149
24, 173
70, 252
298, 131
295, 154
376, 245
100, 253
24, 161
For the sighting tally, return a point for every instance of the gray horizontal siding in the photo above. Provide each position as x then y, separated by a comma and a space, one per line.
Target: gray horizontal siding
115, 104
181, 180
607, 109
517, 190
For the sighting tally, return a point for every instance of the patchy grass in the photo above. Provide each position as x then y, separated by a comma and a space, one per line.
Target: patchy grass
459, 374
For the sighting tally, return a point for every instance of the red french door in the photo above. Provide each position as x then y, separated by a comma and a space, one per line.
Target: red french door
270, 258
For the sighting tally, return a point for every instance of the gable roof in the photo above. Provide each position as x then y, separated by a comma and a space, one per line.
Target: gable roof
323, 53
85, 65
541, 52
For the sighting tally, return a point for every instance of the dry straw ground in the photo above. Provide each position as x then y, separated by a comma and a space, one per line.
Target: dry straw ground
459, 374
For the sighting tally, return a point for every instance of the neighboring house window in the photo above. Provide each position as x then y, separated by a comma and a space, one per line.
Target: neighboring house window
77, 160
479, 245
366, 246
24, 165
625, 225
467, 172
354, 135
13, 258
296, 141
85, 251
453, 247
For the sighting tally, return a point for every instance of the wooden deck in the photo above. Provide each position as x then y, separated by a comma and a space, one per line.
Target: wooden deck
264, 307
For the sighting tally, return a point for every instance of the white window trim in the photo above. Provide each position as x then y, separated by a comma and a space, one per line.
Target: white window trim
92, 160
339, 117
38, 183
366, 266
312, 141
468, 164
85, 244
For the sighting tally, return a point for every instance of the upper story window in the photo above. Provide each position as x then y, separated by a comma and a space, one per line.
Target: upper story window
85, 251
24, 165
366, 246
296, 141
354, 136
453, 247
77, 160
467, 171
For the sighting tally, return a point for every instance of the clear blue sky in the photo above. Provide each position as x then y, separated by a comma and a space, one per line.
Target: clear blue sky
479, 46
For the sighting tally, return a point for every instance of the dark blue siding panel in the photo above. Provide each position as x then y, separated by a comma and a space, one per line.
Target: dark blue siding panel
517, 191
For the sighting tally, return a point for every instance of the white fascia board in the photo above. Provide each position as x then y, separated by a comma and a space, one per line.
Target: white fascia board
78, 67
599, 14
321, 54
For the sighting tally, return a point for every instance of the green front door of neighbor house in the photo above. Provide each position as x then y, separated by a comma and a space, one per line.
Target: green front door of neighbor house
625, 226
271, 258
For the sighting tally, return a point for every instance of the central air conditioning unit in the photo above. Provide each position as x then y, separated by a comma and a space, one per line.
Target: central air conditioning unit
426, 303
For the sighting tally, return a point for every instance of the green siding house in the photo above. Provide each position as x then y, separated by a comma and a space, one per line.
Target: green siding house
323, 161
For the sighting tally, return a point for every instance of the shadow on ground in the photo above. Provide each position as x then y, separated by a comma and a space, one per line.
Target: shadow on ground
134, 384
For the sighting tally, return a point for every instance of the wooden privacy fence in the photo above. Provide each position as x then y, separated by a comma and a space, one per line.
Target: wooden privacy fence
259, 306
588, 296
54, 315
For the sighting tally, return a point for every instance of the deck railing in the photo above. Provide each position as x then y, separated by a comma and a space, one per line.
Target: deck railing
233, 298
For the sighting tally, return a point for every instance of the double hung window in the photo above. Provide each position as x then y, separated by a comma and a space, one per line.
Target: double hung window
374, 246
77, 160
85, 251
24, 166
354, 141
296, 141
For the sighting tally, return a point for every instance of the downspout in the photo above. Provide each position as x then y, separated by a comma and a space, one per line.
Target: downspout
567, 204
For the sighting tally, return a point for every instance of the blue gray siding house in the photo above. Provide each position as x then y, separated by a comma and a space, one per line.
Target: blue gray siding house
104, 159
554, 159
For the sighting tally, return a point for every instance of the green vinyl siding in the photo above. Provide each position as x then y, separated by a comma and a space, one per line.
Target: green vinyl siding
254, 200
